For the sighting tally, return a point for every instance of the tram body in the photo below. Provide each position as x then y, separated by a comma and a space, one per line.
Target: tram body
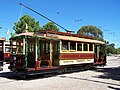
48, 50
1, 53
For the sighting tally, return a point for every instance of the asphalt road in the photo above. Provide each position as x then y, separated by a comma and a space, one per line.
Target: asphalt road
101, 78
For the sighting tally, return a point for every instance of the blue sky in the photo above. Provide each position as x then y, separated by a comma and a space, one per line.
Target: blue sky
71, 14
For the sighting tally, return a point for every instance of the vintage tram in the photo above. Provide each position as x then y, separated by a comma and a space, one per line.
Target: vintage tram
1, 53
5, 50
50, 51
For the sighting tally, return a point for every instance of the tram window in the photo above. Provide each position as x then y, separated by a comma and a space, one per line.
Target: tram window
47, 48
19, 47
64, 45
14, 50
7, 49
85, 47
31, 49
90, 47
79, 47
56, 46
0, 48
72, 45
42, 47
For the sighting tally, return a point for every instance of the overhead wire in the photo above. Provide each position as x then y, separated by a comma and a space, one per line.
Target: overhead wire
57, 12
67, 16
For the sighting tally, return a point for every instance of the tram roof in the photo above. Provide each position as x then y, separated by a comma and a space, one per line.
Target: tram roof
61, 36
70, 37
25, 34
2, 39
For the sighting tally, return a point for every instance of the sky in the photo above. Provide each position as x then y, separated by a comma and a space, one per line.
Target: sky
71, 14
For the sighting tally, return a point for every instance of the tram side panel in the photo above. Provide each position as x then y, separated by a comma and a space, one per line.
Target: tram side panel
75, 53
76, 58
72, 53
1, 54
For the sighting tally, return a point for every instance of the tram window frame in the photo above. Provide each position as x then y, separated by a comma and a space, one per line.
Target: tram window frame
47, 47
31, 43
65, 45
56, 46
90, 47
85, 47
1, 46
79, 46
31, 47
7, 49
1, 49
72, 45
19, 47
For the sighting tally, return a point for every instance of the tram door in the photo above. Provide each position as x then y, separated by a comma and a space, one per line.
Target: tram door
31, 53
100, 56
96, 50
49, 52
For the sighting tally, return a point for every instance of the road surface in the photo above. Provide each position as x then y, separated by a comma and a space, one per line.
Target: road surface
102, 78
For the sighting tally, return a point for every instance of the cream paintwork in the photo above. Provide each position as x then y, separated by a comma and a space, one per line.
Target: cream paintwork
79, 61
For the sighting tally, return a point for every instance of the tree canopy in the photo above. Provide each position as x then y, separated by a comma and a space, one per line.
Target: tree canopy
21, 24
50, 26
91, 31
118, 50
111, 49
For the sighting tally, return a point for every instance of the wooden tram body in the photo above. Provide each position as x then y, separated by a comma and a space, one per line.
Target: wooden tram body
4, 50
49, 50
1, 49
1, 53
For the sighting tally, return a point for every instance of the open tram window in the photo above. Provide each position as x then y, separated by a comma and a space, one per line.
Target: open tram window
31, 47
1, 46
79, 47
7, 49
13, 47
47, 48
85, 47
19, 47
72, 45
56, 46
64, 45
13, 50
90, 47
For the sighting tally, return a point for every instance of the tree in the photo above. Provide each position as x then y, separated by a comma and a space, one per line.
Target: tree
26, 20
50, 26
118, 50
111, 48
91, 31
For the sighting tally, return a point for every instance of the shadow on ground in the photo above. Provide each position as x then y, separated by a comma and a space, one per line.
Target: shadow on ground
114, 88
16, 76
109, 73
9, 75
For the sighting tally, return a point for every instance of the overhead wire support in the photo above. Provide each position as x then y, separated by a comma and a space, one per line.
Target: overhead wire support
44, 17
